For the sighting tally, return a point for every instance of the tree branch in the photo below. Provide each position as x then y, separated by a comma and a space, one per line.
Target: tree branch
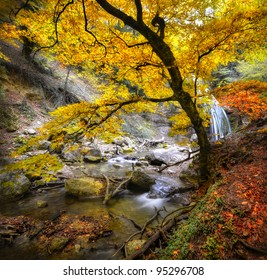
87, 30
129, 46
139, 9
56, 27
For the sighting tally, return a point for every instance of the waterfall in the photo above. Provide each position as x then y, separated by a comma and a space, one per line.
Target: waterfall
219, 122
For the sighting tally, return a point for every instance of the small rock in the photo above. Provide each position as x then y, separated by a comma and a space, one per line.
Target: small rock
31, 131
41, 203
12, 128
116, 165
128, 150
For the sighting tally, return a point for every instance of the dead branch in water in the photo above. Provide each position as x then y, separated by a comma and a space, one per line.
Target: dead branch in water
120, 188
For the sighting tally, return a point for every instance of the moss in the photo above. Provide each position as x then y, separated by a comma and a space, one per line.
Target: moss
181, 243
85, 187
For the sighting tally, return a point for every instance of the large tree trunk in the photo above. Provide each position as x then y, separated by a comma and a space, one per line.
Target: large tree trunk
165, 54
183, 97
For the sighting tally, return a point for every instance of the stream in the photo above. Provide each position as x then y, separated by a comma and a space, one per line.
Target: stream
125, 207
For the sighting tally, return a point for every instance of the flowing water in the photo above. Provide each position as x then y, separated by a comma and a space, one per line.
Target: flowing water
137, 207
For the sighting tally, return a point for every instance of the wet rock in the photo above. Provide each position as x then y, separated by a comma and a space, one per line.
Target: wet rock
85, 187
58, 244
190, 177
141, 181
181, 200
41, 203
13, 185
163, 187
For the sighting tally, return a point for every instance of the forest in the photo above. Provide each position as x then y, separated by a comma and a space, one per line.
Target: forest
133, 130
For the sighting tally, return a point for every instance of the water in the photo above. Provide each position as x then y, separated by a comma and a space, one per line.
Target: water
219, 124
128, 206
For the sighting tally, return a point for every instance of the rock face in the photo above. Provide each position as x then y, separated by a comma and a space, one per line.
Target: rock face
141, 182
85, 187
13, 185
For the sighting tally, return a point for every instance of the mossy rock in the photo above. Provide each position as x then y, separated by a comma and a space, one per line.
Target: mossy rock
134, 245
85, 187
13, 185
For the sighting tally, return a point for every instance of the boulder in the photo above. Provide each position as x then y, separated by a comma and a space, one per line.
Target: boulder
85, 187
165, 156
13, 185
141, 181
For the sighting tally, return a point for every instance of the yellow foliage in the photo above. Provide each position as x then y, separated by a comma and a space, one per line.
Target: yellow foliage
200, 33
43, 165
